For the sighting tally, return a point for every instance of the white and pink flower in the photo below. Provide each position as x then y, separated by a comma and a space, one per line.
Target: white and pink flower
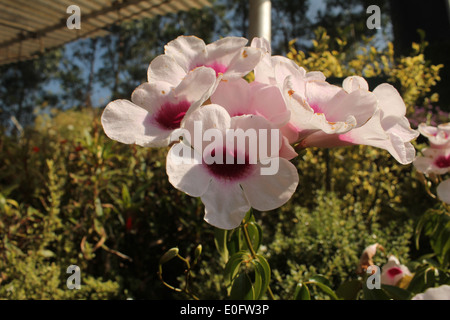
388, 128
157, 109
439, 137
228, 57
393, 272
434, 160
229, 188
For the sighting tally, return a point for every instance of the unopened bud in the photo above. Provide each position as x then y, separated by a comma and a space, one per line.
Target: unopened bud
169, 255
198, 252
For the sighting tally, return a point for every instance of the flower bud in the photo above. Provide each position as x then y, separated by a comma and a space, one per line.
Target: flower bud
198, 252
169, 255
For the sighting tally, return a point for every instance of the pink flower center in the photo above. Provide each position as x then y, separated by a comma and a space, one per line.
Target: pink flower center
230, 167
316, 108
392, 272
442, 162
437, 133
217, 67
170, 115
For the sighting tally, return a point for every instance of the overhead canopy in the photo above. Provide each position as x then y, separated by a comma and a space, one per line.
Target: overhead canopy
28, 28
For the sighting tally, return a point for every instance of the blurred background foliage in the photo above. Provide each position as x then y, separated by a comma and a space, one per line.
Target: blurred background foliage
69, 195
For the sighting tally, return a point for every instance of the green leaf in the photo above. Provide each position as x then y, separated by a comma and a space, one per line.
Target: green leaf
418, 283
324, 285
374, 294
320, 279
349, 290
232, 266
220, 240
259, 281
262, 275
235, 241
420, 225
242, 288
397, 293
302, 292
249, 217
255, 234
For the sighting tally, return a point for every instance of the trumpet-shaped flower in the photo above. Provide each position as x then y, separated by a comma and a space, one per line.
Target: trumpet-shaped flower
393, 272
228, 57
439, 137
387, 129
228, 187
433, 161
274, 70
157, 109
323, 109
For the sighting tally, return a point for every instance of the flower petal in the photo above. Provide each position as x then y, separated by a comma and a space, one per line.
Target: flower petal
196, 87
390, 101
284, 67
287, 151
439, 293
125, 122
185, 171
243, 63
188, 51
207, 117
234, 96
354, 83
264, 71
225, 49
443, 191
268, 192
151, 96
166, 69
268, 102
225, 205
338, 105
265, 135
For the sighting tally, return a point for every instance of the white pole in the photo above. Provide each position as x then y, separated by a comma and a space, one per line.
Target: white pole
260, 19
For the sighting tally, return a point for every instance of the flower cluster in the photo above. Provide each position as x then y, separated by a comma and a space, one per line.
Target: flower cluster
196, 95
436, 158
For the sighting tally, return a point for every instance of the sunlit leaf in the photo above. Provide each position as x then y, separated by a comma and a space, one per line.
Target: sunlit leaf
302, 292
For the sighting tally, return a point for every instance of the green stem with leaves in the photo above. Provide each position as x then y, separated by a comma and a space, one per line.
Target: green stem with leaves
252, 250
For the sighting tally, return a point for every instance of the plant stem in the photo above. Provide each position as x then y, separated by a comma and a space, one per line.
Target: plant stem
253, 253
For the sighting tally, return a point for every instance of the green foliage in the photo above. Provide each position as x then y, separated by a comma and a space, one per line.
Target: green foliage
329, 240
70, 195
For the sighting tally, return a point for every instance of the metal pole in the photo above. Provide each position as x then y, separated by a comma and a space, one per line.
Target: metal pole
260, 19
